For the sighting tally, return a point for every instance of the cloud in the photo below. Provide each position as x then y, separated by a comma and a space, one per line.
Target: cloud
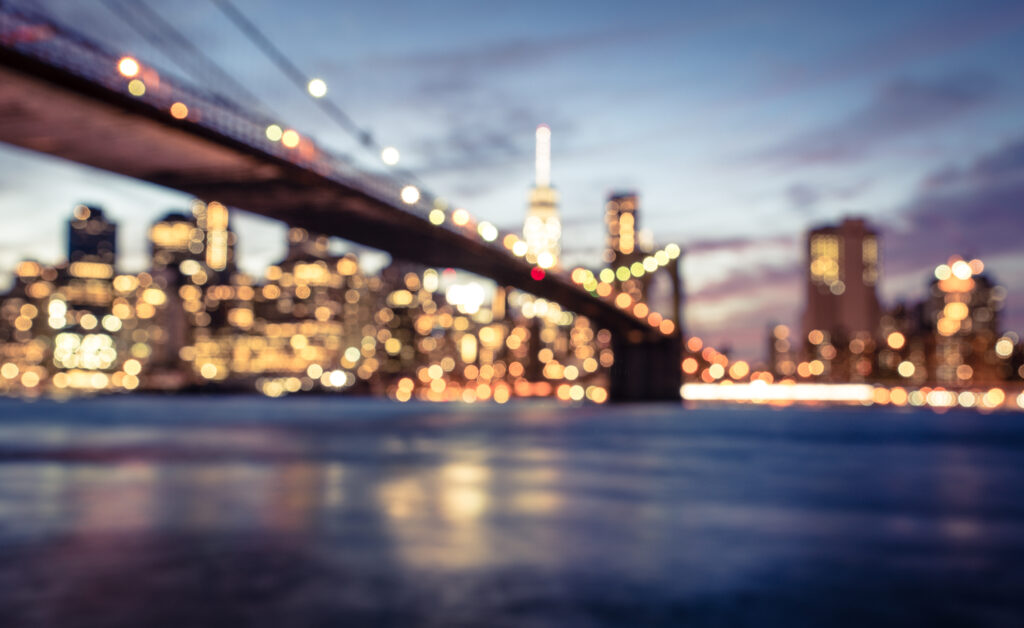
937, 34
745, 283
479, 104
733, 313
442, 71
900, 108
806, 198
445, 77
474, 118
494, 131
461, 66
736, 244
741, 335
973, 210
803, 196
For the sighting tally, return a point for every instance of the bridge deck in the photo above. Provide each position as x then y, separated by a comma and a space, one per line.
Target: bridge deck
47, 109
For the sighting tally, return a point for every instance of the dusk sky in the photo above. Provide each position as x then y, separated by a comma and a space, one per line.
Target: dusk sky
740, 125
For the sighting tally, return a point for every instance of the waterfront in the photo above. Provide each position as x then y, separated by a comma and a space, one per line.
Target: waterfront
200, 511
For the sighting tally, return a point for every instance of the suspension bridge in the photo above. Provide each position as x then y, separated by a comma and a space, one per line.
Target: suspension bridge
63, 94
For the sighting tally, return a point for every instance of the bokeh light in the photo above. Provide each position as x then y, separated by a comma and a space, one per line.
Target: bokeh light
317, 88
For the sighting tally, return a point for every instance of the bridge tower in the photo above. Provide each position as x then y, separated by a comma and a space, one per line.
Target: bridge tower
646, 367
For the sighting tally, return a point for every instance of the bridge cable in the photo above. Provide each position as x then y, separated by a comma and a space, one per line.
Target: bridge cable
296, 76
211, 66
139, 16
289, 69
126, 14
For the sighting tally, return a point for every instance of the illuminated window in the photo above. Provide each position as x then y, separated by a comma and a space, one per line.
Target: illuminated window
870, 253
825, 259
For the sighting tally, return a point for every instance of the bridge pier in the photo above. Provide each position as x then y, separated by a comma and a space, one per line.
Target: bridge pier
646, 368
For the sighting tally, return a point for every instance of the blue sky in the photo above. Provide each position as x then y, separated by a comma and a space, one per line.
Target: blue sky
740, 124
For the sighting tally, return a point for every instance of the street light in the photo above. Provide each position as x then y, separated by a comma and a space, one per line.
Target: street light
317, 88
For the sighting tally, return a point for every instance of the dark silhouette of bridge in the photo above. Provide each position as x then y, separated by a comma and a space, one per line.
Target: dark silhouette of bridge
62, 95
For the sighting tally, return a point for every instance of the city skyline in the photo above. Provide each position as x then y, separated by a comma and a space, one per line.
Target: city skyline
919, 140
192, 320
313, 321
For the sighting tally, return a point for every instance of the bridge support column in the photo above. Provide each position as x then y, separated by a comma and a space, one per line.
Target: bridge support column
645, 368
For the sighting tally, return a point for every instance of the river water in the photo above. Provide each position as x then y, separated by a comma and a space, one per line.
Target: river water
318, 511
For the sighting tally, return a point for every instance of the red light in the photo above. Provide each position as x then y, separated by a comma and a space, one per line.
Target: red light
537, 273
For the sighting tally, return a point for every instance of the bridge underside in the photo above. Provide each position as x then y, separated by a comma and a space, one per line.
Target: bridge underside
45, 109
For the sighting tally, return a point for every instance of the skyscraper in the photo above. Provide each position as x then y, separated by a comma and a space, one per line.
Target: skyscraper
620, 217
173, 239
204, 238
962, 312
842, 270
91, 257
218, 239
193, 266
91, 237
302, 244
542, 229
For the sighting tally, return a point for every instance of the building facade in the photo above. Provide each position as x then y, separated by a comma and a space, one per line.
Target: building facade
842, 267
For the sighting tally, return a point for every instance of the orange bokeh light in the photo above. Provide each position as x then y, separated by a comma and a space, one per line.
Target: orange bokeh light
290, 138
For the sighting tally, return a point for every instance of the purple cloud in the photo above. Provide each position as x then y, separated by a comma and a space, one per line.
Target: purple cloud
976, 210
775, 295
936, 35
971, 211
900, 108
765, 278
497, 132
806, 197
736, 244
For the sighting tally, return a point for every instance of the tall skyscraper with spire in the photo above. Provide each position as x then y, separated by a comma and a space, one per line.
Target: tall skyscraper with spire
542, 229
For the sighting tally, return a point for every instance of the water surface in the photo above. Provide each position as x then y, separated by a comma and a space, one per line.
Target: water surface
320, 511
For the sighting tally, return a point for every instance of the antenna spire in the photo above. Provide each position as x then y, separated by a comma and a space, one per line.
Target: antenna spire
543, 178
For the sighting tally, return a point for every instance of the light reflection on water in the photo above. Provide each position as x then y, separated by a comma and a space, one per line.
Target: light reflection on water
559, 517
